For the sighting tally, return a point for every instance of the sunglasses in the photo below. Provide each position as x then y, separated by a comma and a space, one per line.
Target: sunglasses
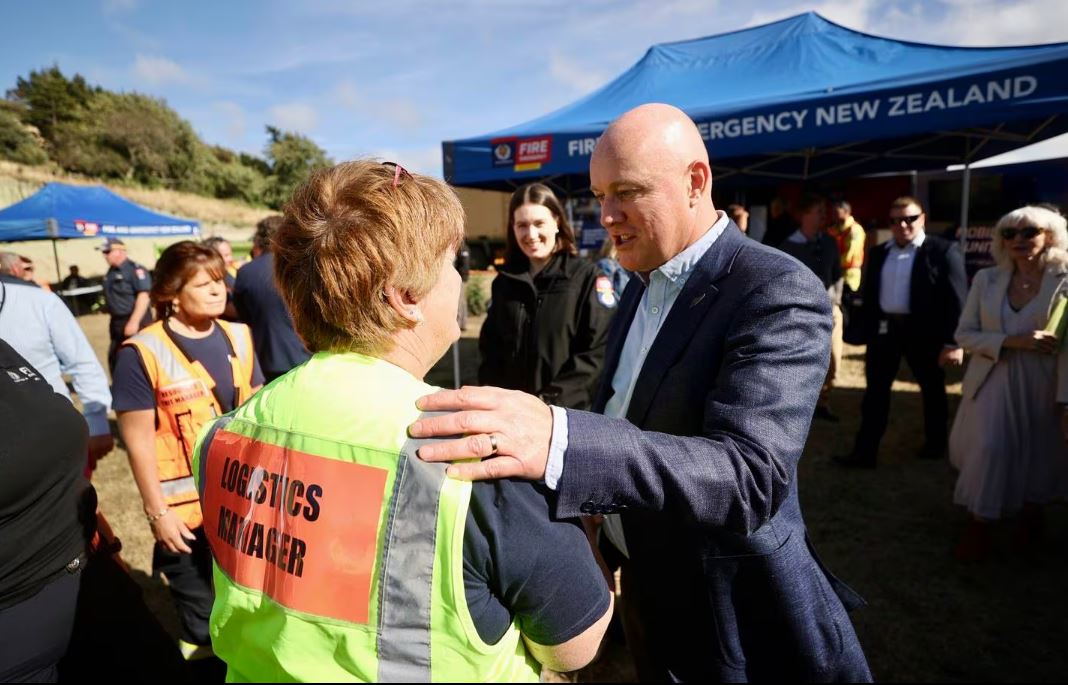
911, 219
1027, 232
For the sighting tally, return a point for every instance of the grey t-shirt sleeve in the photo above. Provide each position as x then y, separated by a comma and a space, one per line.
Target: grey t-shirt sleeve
520, 564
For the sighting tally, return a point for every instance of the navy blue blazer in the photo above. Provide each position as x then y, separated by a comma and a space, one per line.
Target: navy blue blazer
703, 470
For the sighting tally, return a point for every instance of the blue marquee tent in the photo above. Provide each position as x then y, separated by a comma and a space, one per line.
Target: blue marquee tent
59, 211
802, 98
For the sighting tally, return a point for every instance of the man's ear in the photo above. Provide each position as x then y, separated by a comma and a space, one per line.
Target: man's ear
402, 303
700, 175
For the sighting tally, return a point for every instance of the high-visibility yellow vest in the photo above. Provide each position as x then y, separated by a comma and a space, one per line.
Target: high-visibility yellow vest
338, 553
850, 238
184, 403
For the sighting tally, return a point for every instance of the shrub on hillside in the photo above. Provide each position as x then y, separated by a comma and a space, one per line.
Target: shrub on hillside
18, 144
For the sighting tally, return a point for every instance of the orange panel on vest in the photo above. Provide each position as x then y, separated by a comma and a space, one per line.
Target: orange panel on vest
301, 528
183, 391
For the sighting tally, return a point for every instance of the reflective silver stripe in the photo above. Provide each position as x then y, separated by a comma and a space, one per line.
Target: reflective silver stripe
165, 357
179, 486
408, 570
242, 345
205, 447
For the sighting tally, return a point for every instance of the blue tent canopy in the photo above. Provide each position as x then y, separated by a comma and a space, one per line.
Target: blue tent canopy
59, 211
801, 98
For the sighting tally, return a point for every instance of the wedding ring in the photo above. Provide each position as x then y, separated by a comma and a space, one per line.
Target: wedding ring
493, 443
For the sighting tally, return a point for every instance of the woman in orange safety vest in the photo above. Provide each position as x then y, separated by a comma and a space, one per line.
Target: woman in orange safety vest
170, 379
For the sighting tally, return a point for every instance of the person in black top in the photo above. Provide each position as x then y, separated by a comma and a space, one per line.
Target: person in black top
46, 520
549, 310
126, 287
260, 306
811, 246
780, 223
914, 290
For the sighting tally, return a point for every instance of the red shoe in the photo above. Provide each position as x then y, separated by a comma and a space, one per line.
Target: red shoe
974, 545
1027, 536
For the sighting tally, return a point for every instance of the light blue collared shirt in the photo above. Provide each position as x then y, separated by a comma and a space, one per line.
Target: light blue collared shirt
39, 327
662, 289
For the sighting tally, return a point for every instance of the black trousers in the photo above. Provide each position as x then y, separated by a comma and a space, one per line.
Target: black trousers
189, 577
902, 337
34, 633
116, 638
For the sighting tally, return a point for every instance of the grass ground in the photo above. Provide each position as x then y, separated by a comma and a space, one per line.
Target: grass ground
886, 532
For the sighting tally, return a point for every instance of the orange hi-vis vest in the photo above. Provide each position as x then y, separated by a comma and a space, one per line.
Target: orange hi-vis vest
184, 403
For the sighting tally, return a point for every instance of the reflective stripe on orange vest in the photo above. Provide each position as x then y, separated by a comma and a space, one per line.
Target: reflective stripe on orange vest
184, 403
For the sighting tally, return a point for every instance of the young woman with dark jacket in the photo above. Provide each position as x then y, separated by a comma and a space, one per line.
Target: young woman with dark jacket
549, 310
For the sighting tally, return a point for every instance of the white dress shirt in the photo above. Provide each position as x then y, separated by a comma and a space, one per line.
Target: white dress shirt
895, 283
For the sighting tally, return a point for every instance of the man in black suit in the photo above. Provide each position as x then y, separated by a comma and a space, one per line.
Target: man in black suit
914, 293
714, 363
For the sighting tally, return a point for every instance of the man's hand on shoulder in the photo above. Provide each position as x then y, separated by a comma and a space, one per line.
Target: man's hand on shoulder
510, 430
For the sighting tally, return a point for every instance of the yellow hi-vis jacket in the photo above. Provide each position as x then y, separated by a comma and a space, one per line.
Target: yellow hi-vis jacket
339, 553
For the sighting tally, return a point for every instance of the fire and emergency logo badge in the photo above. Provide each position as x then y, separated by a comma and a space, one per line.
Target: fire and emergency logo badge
523, 154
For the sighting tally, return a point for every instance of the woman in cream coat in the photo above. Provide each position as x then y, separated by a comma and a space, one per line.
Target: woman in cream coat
1010, 436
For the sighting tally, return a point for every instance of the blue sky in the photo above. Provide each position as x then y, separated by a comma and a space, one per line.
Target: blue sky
395, 78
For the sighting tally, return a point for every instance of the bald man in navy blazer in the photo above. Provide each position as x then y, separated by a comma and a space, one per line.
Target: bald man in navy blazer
714, 365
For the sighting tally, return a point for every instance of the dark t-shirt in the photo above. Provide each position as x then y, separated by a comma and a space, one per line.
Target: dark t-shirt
132, 391
47, 509
519, 562
122, 283
261, 306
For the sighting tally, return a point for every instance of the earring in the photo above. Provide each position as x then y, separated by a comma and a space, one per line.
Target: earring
416, 314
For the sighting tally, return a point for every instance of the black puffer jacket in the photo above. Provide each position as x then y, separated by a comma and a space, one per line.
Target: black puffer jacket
548, 332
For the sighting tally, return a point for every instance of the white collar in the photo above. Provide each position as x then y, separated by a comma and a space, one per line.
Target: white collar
916, 242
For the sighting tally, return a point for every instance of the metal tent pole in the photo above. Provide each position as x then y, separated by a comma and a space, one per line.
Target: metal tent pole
456, 364
53, 230
965, 196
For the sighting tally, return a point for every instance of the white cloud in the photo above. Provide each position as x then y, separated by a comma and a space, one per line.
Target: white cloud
422, 160
294, 116
574, 75
233, 118
159, 71
397, 112
1001, 23
976, 23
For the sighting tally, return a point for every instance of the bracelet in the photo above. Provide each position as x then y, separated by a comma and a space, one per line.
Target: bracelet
152, 518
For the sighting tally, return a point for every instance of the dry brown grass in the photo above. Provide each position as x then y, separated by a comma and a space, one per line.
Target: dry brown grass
886, 532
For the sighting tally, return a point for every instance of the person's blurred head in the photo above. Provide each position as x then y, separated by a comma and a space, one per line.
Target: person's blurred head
74, 270
842, 211
188, 283
29, 273
11, 265
364, 258
739, 216
222, 246
265, 230
537, 227
810, 214
651, 174
906, 219
114, 251
1028, 233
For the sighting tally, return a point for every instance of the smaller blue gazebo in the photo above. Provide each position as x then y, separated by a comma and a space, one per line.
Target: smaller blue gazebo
59, 211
